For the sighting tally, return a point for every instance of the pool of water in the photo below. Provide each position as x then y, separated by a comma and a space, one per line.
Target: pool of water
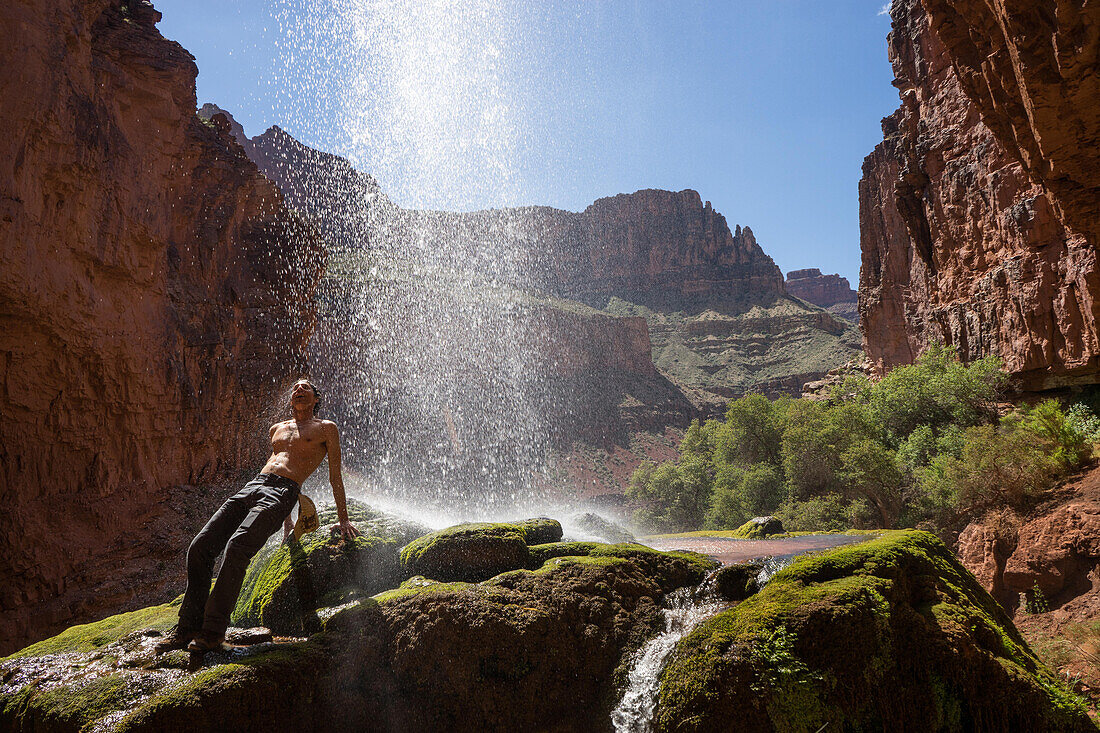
729, 551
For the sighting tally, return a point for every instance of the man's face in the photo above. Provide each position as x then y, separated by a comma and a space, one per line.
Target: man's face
302, 395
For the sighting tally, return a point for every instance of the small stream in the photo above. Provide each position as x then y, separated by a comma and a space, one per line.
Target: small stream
686, 608
683, 611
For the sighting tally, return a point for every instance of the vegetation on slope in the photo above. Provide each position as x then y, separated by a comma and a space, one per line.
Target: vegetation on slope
924, 446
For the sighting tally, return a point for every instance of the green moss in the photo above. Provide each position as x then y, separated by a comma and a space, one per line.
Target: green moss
754, 530
475, 551
66, 707
87, 637
880, 632
287, 582
268, 690
626, 550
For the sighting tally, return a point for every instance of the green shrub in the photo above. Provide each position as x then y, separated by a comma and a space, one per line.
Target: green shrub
826, 513
675, 495
741, 493
922, 445
937, 390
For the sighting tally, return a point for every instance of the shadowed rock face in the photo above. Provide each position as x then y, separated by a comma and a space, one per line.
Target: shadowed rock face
978, 210
155, 296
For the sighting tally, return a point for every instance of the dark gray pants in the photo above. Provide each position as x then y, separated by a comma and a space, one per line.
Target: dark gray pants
241, 527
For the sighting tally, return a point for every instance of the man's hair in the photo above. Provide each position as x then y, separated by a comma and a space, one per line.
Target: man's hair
316, 392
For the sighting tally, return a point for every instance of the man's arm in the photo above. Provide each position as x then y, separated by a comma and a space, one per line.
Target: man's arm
336, 478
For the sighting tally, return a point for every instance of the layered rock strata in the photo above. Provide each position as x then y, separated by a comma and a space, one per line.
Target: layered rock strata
978, 210
831, 292
156, 295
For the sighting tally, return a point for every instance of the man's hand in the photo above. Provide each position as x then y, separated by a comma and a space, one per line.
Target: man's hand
348, 530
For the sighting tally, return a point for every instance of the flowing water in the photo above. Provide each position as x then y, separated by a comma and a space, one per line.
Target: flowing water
686, 608
430, 338
683, 611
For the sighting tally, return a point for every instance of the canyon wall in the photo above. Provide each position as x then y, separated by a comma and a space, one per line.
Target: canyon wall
648, 246
156, 296
978, 211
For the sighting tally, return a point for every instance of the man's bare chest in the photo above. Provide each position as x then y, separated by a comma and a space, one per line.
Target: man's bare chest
298, 440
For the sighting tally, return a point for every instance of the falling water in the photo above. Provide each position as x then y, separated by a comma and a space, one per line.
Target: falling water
683, 610
430, 336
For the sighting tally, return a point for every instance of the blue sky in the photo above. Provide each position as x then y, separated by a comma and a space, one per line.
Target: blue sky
766, 108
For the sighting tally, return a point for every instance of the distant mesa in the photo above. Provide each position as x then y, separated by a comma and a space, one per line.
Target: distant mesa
831, 292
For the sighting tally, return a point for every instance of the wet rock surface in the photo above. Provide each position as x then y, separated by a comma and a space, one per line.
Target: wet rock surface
156, 295
287, 582
536, 649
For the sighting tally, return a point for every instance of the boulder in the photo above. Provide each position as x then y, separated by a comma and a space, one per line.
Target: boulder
759, 528
889, 634
600, 528
737, 582
476, 551
530, 649
287, 582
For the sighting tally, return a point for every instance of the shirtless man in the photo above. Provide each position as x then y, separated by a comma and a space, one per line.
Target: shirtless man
245, 521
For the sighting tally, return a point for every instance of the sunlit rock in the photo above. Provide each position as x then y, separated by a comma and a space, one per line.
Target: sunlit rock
477, 551
889, 634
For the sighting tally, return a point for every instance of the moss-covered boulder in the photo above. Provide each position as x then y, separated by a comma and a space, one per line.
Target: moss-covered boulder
287, 582
529, 649
737, 582
594, 526
759, 528
477, 551
890, 634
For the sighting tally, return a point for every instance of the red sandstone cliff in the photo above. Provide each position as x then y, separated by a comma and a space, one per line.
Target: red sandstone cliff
645, 245
155, 296
978, 221
831, 292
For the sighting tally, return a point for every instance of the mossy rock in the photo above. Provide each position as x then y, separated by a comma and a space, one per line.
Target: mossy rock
287, 582
89, 637
476, 551
540, 530
681, 567
759, 528
737, 582
532, 649
890, 634
65, 707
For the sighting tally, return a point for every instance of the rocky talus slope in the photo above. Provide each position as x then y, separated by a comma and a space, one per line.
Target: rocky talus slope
831, 292
885, 634
978, 211
156, 293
